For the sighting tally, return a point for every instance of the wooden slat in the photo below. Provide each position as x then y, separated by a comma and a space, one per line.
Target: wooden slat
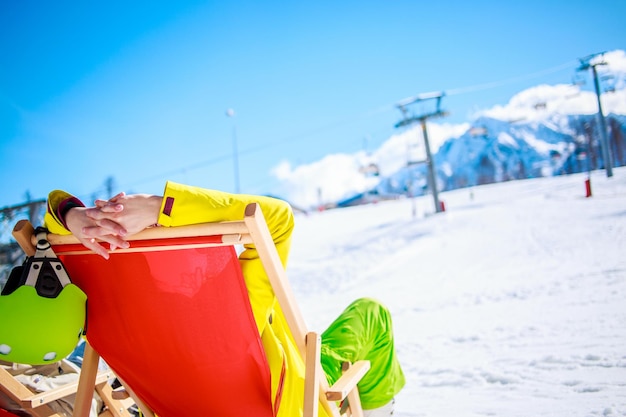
203, 229
23, 232
312, 374
354, 402
116, 407
276, 273
227, 240
60, 392
340, 389
17, 392
120, 394
145, 410
11, 387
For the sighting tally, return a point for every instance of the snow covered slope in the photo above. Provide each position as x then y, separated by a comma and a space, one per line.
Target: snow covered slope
511, 303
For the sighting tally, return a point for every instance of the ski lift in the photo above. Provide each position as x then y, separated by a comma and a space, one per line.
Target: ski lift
609, 81
578, 80
476, 131
370, 170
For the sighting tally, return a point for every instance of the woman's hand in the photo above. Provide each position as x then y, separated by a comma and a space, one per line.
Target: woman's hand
79, 221
112, 220
132, 212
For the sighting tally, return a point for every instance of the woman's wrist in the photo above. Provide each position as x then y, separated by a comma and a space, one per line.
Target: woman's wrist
154, 206
65, 207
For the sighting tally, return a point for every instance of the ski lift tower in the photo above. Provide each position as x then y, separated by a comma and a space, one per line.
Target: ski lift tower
408, 120
585, 64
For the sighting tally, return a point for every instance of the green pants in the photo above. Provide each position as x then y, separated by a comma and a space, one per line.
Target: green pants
364, 332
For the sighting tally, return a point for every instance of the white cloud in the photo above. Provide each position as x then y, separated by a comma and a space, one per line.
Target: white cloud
616, 61
542, 101
328, 180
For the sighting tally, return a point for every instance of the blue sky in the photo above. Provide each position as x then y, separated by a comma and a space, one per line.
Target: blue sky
138, 91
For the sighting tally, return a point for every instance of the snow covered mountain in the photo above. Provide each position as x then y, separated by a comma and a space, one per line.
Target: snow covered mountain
492, 150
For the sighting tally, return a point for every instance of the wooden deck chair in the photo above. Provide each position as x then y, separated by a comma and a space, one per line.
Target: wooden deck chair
171, 316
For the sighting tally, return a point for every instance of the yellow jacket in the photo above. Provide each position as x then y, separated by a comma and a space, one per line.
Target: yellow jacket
183, 205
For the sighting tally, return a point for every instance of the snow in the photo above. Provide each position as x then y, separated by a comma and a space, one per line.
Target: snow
509, 303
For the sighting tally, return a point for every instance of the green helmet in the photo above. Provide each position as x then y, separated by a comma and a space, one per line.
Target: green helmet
42, 314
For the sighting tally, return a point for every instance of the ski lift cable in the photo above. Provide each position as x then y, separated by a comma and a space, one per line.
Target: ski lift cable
370, 113
486, 86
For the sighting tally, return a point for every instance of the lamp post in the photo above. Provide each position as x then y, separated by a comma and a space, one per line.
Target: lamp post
604, 140
231, 113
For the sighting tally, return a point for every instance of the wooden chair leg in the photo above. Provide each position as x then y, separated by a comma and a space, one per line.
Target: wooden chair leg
86, 382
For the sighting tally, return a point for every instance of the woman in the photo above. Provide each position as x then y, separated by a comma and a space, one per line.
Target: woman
362, 331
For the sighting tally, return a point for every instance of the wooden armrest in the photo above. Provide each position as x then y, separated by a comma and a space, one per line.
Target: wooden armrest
348, 381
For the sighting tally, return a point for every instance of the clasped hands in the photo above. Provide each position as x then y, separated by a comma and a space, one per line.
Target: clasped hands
113, 220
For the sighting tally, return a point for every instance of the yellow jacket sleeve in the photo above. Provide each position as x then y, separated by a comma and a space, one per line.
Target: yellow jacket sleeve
57, 201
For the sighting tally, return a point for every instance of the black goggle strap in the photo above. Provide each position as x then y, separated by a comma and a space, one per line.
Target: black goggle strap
45, 260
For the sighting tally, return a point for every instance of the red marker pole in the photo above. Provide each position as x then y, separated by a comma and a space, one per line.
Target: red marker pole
588, 187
